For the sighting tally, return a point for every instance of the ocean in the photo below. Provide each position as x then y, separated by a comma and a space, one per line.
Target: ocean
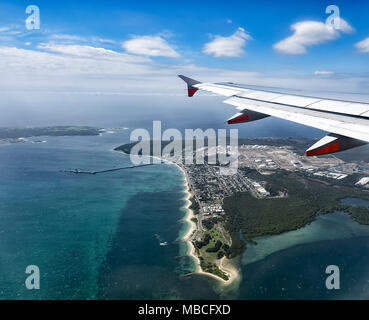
98, 236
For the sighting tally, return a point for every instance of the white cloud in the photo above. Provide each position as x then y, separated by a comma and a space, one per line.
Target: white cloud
363, 46
323, 73
4, 29
154, 46
91, 70
309, 33
344, 26
74, 68
67, 37
10, 34
232, 46
81, 69
11, 31
90, 52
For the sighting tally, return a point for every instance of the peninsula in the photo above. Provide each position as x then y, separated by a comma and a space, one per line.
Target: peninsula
276, 189
18, 134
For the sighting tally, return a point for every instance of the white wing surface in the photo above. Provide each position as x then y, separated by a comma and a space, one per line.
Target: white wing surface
346, 121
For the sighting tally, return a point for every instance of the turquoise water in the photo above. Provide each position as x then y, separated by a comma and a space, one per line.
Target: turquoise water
98, 236
292, 265
74, 226
299, 272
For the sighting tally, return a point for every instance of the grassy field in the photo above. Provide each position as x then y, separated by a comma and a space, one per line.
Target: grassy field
215, 236
208, 260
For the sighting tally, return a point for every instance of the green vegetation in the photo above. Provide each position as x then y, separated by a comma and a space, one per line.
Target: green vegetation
194, 206
209, 223
13, 133
216, 247
306, 198
127, 148
204, 242
194, 220
359, 214
238, 246
248, 217
211, 248
212, 268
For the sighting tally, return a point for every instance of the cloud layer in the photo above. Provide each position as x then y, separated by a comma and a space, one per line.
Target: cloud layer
310, 33
323, 73
70, 63
232, 46
154, 46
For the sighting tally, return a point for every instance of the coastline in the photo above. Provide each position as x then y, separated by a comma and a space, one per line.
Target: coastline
225, 265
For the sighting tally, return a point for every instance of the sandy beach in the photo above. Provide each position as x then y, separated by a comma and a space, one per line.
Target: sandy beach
224, 264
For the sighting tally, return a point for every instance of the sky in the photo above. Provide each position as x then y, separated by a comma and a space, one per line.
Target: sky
126, 50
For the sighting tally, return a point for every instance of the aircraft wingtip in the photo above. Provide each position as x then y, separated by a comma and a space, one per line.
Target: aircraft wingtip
190, 83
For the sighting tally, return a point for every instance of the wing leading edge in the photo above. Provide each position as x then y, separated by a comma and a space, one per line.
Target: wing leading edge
347, 121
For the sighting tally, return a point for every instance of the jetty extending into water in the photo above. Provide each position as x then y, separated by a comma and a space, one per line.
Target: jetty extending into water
77, 171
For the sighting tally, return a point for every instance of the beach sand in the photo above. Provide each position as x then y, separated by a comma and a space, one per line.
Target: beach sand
225, 264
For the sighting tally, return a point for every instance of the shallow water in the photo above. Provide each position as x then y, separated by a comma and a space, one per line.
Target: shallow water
70, 225
93, 236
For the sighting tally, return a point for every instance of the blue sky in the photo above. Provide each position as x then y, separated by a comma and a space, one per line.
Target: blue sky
137, 48
188, 27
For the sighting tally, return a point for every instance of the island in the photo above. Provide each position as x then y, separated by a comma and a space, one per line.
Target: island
275, 189
18, 134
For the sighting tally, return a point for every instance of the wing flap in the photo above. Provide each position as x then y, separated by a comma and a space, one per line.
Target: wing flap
220, 89
348, 121
295, 100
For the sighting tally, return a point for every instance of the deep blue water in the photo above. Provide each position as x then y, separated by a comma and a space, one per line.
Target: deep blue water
93, 236
80, 229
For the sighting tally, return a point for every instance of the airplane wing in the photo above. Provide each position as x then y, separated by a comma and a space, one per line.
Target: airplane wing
346, 121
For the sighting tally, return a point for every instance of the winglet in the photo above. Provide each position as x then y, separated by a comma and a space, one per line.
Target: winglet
190, 85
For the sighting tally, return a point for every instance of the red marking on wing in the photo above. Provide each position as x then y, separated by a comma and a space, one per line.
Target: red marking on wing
191, 91
331, 148
241, 118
